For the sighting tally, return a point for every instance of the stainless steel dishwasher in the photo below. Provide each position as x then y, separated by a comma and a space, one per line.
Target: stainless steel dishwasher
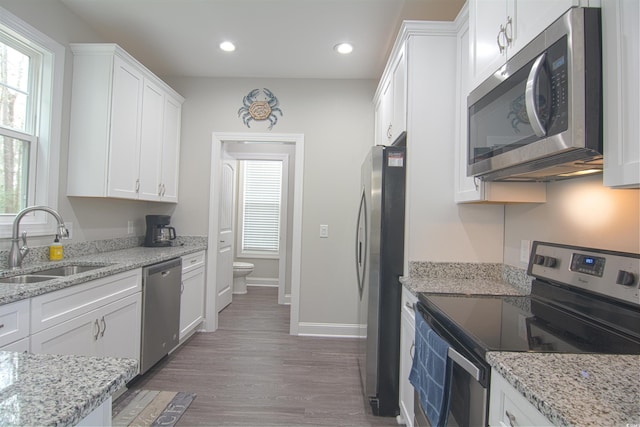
160, 311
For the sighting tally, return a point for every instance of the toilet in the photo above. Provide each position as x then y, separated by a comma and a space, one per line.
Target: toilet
240, 272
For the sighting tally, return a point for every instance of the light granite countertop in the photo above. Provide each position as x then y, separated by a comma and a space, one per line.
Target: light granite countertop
112, 262
576, 389
47, 390
465, 279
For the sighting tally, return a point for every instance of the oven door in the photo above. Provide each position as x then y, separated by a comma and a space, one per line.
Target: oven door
469, 384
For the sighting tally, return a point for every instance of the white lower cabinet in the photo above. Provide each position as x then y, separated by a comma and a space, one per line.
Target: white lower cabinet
192, 293
20, 346
112, 330
14, 324
98, 318
508, 407
407, 347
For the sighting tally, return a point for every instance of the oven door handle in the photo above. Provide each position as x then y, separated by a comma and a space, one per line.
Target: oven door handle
462, 361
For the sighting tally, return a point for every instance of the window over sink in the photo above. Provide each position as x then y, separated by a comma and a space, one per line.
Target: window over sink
31, 82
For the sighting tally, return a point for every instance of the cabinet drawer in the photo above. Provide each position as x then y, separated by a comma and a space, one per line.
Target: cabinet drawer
14, 321
192, 261
53, 308
507, 407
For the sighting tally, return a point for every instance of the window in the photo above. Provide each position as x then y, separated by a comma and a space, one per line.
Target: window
260, 209
31, 76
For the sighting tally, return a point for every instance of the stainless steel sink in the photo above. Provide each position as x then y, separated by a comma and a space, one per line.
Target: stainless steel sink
26, 278
68, 270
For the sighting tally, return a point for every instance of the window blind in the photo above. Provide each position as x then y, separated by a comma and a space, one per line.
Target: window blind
262, 187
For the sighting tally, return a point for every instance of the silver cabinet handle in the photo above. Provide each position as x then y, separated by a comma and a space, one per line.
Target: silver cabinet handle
1, 325
160, 190
508, 31
412, 349
410, 306
501, 46
530, 97
95, 337
512, 418
137, 185
104, 326
181, 287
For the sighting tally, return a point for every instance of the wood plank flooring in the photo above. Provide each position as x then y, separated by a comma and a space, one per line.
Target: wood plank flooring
251, 372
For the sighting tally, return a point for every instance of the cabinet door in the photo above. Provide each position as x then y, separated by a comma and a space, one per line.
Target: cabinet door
486, 18
399, 103
171, 150
151, 141
534, 16
385, 108
191, 301
407, 346
77, 336
120, 328
621, 92
124, 147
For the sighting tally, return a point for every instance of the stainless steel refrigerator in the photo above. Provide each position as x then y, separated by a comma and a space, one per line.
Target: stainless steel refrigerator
379, 260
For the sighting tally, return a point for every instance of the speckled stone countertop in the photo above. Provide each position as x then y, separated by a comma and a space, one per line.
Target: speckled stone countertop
465, 278
111, 262
576, 389
46, 390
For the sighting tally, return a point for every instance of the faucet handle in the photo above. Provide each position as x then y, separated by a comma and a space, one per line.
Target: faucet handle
24, 250
24, 238
63, 231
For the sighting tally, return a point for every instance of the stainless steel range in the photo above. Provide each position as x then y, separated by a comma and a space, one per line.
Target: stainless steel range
582, 300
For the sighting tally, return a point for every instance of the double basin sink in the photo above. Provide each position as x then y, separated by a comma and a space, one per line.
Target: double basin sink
51, 273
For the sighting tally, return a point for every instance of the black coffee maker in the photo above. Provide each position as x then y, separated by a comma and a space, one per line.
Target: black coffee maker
158, 231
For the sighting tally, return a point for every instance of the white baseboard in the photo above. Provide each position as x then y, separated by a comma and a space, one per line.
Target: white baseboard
332, 330
262, 281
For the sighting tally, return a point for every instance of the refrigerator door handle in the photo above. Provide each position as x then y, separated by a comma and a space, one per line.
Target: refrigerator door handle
361, 257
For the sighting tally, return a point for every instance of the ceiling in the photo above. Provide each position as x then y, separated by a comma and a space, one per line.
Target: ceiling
274, 38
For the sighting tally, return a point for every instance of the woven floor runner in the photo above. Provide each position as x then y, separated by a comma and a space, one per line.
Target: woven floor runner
149, 408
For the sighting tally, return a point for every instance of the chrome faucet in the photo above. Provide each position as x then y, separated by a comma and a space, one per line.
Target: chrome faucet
17, 253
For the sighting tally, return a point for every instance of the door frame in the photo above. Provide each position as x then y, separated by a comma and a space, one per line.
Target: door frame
214, 200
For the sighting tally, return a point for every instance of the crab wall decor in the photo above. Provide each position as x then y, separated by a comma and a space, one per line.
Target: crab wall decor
264, 108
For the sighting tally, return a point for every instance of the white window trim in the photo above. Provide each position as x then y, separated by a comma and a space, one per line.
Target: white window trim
50, 126
284, 158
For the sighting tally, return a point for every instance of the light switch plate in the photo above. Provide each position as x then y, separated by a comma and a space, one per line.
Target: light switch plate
324, 231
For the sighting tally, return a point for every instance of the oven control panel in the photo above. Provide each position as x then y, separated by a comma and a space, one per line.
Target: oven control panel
609, 273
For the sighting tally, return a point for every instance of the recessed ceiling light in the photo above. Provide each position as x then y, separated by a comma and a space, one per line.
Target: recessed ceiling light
343, 48
227, 46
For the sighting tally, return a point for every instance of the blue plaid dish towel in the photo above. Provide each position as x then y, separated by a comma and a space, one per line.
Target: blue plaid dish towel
431, 373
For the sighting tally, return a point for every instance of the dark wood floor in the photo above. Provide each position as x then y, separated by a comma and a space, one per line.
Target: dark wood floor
251, 372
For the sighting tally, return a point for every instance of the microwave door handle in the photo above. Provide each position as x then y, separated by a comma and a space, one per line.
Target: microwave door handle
462, 361
530, 98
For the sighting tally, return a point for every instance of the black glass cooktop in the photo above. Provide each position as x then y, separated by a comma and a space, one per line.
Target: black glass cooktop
502, 323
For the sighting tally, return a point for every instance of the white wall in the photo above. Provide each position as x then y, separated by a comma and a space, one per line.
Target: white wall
336, 118
438, 229
579, 211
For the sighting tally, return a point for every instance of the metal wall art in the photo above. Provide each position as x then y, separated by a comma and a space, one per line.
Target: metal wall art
264, 108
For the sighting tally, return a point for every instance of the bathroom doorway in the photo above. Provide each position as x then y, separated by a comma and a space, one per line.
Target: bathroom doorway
288, 151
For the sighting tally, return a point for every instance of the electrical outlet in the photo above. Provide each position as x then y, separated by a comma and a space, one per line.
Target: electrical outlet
324, 231
129, 227
525, 248
69, 227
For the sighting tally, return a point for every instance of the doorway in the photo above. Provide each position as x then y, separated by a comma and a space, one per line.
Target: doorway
292, 268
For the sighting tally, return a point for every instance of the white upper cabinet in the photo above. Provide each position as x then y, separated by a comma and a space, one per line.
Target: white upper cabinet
391, 101
621, 92
498, 29
469, 189
125, 128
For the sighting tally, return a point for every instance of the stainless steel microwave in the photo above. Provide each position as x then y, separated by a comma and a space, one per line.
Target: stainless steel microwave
539, 118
